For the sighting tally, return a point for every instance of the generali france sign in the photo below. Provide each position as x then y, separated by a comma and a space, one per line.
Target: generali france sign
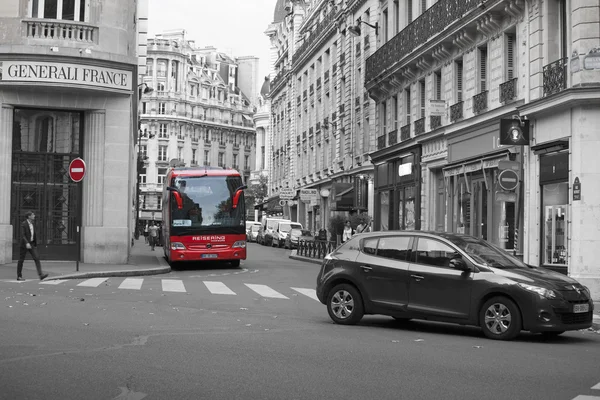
64, 73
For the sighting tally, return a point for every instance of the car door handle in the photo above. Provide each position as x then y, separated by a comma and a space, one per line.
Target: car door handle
365, 268
417, 277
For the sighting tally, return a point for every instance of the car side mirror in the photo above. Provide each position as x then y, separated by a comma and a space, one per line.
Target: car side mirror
460, 264
236, 196
177, 195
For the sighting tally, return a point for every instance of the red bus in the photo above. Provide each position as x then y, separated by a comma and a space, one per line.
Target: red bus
204, 215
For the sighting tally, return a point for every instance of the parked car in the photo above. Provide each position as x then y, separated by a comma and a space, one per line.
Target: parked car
294, 237
282, 230
449, 278
252, 231
269, 225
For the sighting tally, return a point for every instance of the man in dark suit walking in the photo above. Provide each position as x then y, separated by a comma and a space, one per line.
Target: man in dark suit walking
29, 244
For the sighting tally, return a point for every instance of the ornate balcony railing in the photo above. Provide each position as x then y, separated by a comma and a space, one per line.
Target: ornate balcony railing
429, 24
480, 102
435, 121
316, 34
555, 77
62, 29
456, 111
420, 126
393, 137
278, 78
381, 142
405, 132
508, 90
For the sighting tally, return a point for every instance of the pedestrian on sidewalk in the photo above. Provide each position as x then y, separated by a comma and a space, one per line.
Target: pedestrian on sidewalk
348, 232
29, 244
153, 235
146, 234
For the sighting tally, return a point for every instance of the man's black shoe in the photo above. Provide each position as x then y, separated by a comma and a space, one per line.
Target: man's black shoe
43, 276
20, 278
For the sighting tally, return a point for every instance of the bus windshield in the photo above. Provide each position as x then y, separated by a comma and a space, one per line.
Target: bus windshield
207, 204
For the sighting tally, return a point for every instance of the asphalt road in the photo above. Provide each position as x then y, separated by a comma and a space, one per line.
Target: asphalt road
226, 340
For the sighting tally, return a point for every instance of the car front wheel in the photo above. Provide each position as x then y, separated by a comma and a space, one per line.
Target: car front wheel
500, 318
344, 304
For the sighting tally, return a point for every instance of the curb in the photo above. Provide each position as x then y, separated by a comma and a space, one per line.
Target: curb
294, 256
163, 269
596, 322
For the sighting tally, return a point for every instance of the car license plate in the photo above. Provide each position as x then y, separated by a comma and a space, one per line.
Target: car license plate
581, 308
209, 256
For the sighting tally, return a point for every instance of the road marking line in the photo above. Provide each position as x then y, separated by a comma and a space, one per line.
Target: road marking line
584, 397
218, 288
266, 291
172, 285
312, 293
132, 283
93, 282
596, 386
53, 282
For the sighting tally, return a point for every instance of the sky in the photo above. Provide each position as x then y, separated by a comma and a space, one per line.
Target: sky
236, 27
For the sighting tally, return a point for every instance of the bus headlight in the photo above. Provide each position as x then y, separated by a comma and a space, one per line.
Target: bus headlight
240, 244
177, 246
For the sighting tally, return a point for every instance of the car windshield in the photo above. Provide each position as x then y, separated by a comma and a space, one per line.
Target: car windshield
296, 231
255, 228
486, 253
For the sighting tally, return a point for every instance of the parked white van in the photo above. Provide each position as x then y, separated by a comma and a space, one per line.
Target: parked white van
269, 225
285, 228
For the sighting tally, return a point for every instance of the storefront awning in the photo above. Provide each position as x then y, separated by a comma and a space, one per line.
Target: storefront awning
342, 197
472, 166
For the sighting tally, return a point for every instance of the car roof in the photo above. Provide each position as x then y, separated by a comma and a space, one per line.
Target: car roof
445, 235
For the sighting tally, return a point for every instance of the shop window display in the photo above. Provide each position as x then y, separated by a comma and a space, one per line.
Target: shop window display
555, 203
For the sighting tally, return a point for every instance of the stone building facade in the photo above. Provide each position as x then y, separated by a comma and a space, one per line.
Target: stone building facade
194, 115
68, 89
460, 76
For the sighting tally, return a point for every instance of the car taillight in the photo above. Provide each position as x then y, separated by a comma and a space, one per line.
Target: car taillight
177, 246
239, 244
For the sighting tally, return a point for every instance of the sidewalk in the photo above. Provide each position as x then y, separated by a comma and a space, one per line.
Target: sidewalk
595, 324
142, 261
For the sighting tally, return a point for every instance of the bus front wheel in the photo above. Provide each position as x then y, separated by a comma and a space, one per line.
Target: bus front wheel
235, 263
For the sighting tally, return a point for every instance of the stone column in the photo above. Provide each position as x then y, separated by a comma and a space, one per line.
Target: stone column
6, 230
93, 183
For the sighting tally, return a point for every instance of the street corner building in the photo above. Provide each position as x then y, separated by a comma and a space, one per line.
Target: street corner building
68, 89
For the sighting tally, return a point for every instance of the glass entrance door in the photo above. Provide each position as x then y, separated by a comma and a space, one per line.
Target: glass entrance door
44, 143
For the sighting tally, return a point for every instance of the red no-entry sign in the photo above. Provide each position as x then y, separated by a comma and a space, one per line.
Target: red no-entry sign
77, 170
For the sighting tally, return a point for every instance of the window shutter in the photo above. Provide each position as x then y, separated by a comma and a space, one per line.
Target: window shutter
438, 85
510, 54
483, 68
423, 6
459, 81
409, 11
407, 100
422, 90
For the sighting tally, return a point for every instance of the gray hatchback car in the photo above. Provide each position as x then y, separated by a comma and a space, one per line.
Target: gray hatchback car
449, 278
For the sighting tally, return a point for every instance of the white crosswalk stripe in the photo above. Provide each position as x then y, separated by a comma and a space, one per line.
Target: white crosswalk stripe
218, 288
172, 285
584, 397
53, 282
266, 291
596, 386
312, 293
132, 283
93, 282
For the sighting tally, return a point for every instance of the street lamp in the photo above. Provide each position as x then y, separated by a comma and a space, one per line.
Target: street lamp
140, 162
355, 29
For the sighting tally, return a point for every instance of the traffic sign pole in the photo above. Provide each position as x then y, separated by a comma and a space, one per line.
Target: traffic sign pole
77, 171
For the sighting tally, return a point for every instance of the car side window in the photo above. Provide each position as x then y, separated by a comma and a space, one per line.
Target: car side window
394, 247
433, 252
370, 246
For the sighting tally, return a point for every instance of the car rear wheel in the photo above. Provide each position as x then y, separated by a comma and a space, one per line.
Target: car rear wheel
500, 318
344, 304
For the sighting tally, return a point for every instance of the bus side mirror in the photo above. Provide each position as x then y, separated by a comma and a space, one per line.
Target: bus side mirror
236, 196
177, 196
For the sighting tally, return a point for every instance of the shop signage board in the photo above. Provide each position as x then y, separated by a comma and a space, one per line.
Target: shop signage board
309, 195
507, 164
77, 170
514, 132
509, 197
28, 71
508, 179
287, 194
576, 190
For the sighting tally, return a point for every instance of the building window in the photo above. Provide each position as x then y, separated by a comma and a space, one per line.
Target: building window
142, 179
70, 10
149, 67
144, 151
383, 117
510, 56
162, 172
159, 202
407, 104
422, 97
395, 111
206, 157
162, 153
162, 108
194, 159
235, 161
161, 68
160, 87
162, 131
437, 77
221, 161
180, 153
246, 162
